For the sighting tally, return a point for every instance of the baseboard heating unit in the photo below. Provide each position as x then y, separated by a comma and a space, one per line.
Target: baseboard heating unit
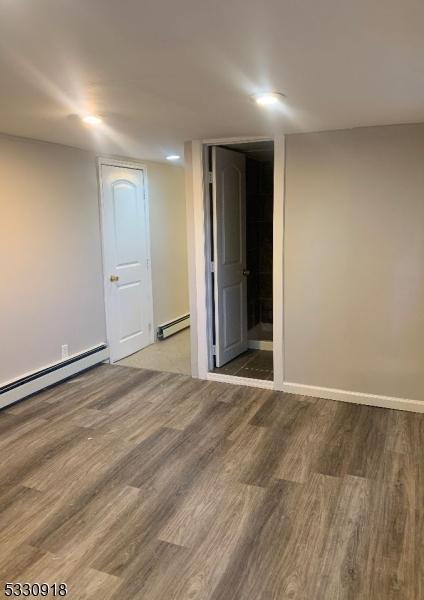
39, 380
170, 327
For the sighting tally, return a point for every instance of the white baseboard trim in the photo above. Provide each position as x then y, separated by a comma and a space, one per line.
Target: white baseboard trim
354, 397
260, 345
236, 380
51, 374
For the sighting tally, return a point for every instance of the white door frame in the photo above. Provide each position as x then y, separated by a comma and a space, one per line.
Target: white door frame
198, 228
126, 164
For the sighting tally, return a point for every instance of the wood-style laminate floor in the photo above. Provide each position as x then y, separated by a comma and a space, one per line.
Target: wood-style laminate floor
131, 484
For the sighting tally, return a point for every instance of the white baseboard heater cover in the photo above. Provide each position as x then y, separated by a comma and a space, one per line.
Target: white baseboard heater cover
170, 327
39, 380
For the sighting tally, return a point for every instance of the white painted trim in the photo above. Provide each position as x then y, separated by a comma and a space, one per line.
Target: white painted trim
236, 380
278, 261
354, 397
191, 259
208, 258
126, 164
236, 140
200, 259
197, 223
26, 389
260, 345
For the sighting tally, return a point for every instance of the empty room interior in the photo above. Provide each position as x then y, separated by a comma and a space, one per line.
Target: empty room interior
212, 300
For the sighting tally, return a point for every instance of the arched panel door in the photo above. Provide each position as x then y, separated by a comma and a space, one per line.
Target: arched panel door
127, 268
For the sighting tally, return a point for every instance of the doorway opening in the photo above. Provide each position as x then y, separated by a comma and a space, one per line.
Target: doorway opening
146, 325
241, 198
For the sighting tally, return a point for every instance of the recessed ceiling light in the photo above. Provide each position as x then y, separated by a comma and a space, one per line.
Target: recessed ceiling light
173, 157
268, 98
91, 120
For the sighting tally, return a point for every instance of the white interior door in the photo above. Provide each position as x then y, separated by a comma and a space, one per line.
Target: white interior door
229, 226
126, 260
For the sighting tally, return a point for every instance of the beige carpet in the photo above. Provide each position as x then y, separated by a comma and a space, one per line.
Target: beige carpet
172, 354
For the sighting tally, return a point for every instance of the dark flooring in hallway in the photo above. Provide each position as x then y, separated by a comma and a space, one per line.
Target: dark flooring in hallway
256, 364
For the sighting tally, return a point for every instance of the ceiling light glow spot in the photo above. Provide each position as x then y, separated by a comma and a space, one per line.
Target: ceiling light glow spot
268, 98
92, 120
173, 157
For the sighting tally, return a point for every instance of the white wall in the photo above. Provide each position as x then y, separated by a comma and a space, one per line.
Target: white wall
50, 249
51, 277
353, 272
354, 260
197, 341
168, 241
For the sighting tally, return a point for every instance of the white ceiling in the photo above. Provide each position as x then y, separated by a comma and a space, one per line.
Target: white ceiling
164, 71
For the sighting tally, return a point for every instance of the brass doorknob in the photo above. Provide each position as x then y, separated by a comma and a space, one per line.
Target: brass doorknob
246, 272
114, 278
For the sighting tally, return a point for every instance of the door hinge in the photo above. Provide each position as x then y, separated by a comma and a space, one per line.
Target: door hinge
148, 263
210, 177
212, 267
213, 350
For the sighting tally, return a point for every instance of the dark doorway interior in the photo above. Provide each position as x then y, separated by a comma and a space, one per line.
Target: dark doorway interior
259, 239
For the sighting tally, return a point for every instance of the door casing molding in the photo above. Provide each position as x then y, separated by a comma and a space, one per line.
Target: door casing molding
126, 164
198, 225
